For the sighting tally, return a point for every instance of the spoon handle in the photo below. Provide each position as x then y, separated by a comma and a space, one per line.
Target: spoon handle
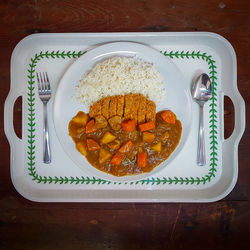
201, 158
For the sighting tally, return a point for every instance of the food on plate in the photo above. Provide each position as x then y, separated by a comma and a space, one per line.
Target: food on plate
100, 121
119, 76
107, 138
92, 145
114, 144
168, 116
142, 159
126, 147
80, 146
115, 122
129, 107
148, 136
91, 127
116, 159
104, 155
157, 147
81, 118
146, 126
129, 125
122, 136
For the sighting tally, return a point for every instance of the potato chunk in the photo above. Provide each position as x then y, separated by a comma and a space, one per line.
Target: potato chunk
80, 146
104, 155
81, 118
157, 147
148, 137
107, 138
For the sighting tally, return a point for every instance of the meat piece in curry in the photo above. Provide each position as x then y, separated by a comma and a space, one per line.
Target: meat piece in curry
123, 135
115, 122
101, 121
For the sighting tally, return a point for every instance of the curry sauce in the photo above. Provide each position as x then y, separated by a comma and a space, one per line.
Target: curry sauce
132, 147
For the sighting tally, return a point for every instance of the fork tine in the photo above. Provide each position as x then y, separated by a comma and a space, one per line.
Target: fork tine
42, 82
48, 83
45, 82
37, 77
39, 81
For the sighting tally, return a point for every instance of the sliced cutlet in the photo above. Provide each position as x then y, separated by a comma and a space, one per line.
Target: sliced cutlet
141, 113
135, 106
129, 102
105, 107
112, 106
95, 109
151, 111
120, 105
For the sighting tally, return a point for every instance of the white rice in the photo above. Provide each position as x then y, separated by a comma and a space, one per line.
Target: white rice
120, 76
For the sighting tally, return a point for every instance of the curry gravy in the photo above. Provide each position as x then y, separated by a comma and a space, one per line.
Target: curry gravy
165, 134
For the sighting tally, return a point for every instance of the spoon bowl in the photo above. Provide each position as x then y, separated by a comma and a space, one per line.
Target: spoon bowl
202, 88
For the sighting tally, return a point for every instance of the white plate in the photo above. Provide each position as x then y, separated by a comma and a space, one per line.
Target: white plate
177, 99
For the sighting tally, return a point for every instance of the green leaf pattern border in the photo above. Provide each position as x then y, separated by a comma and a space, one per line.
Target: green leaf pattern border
87, 180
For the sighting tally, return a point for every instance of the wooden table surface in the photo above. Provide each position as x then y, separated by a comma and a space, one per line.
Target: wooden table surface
220, 225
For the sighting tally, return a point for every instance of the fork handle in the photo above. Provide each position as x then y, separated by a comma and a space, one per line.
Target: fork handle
46, 146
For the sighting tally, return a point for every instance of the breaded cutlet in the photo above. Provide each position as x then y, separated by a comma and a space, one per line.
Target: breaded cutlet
112, 106
151, 111
105, 107
129, 103
141, 113
136, 104
120, 105
95, 109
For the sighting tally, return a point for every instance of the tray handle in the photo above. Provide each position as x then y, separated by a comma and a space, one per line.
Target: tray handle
14, 141
239, 117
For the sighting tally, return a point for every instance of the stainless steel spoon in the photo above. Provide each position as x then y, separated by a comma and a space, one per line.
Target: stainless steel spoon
201, 93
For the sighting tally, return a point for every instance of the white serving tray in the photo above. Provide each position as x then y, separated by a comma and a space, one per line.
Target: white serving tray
182, 180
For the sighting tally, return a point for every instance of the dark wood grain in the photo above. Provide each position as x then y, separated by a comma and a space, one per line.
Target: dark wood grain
220, 225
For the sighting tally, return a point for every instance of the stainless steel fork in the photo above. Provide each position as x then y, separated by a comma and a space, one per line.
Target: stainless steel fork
44, 92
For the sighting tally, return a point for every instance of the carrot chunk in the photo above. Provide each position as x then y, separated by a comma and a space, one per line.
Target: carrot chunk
90, 127
142, 159
168, 116
129, 125
126, 147
92, 145
116, 159
146, 126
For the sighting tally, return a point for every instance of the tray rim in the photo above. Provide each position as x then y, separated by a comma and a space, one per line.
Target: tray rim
144, 35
